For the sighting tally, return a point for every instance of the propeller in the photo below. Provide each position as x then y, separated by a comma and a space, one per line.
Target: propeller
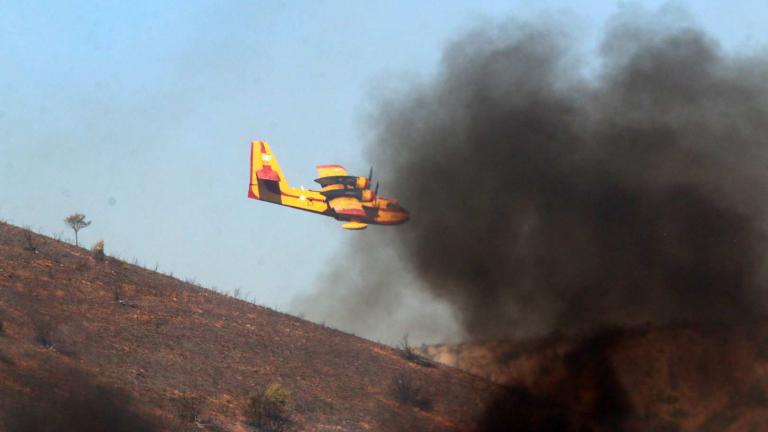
370, 176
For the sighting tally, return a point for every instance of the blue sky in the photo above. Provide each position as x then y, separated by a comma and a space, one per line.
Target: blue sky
139, 115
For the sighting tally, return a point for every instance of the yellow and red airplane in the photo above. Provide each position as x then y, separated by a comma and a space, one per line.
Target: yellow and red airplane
344, 197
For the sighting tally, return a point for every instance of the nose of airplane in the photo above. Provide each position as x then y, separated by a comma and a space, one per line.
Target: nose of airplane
405, 214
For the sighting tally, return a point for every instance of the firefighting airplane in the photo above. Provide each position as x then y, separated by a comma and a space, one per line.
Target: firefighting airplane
344, 197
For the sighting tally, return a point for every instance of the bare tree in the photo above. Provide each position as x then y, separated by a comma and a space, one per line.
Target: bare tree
77, 222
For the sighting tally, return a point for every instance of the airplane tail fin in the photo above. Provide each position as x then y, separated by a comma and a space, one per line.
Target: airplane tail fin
267, 177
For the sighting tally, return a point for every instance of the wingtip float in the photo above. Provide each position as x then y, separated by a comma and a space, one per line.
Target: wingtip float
344, 197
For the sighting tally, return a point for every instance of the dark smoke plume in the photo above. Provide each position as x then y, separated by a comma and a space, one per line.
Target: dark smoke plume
549, 192
545, 198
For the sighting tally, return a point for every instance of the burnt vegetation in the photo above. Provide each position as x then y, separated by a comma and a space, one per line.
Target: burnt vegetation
410, 354
406, 391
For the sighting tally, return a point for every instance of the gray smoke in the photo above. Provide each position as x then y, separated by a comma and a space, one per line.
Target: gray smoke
370, 292
544, 197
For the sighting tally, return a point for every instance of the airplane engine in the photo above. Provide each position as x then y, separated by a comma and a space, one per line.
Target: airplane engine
362, 183
367, 195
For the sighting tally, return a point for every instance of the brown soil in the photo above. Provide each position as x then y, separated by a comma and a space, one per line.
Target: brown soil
704, 378
95, 344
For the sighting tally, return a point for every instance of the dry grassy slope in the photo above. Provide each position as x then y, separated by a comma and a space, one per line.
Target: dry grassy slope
187, 343
681, 378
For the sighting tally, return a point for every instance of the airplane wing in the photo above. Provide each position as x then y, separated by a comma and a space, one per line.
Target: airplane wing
331, 170
347, 206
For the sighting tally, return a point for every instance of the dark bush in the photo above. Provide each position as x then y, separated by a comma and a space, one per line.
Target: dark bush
30, 246
269, 409
188, 408
407, 392
44, 333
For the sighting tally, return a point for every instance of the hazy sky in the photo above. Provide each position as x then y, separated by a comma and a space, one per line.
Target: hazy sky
139, 114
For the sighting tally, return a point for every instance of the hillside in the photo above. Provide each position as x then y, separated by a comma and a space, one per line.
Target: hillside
91, 344
679, 378
98, 344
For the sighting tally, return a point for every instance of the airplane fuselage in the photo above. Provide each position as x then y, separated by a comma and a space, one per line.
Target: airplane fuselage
343, 197
380, 211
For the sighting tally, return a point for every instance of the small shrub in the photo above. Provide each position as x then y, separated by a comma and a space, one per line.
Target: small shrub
98, 250
188, 408
81, 267
407, 392
269, 408
44, 334
30, 246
